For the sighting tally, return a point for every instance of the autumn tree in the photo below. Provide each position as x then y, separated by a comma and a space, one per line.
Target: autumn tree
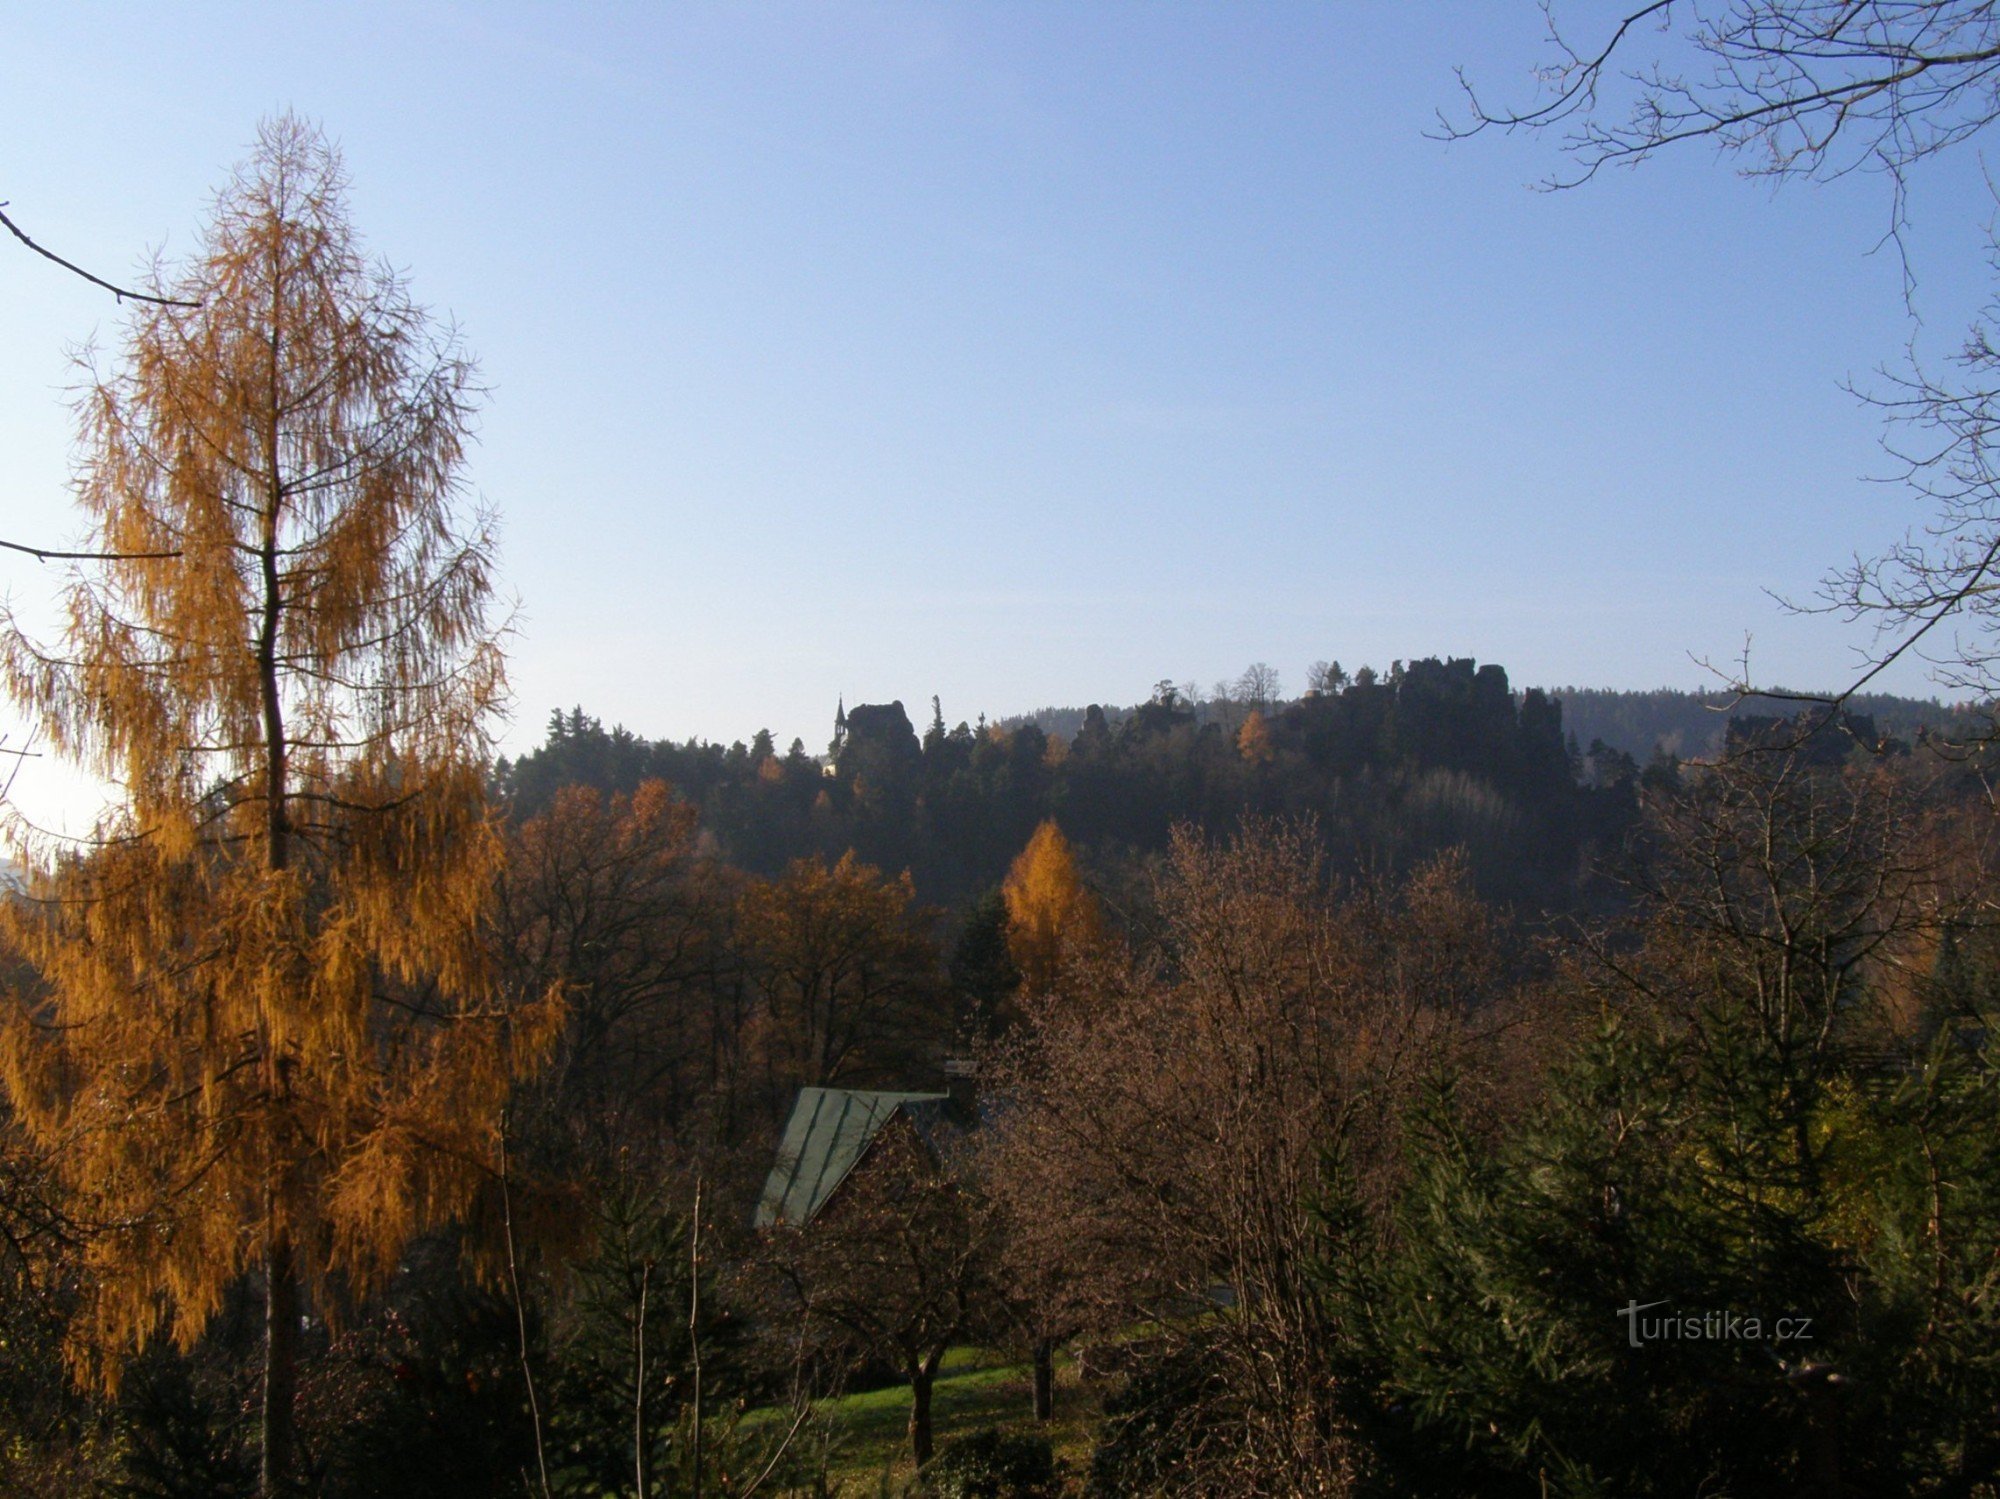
270, 1042
1051, 917
1166, 1149
1253, 740
845, 971
1054, 928
895, 1265
609, 898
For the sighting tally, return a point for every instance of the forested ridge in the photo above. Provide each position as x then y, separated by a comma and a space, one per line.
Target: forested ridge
1532, 786
1281, 1016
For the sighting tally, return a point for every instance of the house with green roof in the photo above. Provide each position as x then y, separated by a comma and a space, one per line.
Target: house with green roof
831, 1134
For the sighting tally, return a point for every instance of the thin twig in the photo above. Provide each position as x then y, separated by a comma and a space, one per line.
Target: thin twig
802, 1412
520, 1310
121, 293
21, 757
41, 554
639, 1385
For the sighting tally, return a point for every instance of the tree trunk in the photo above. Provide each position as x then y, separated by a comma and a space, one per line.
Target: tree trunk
694, 1339
281, 1368
641, 1444
281, 1282
921, 1377
1045, 1379
1823, 1406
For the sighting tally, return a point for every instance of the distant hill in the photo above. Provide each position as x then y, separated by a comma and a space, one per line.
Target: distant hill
1688, 725
1392, 769
1691, 725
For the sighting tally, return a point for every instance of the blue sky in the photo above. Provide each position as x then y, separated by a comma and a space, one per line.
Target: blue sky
1027, 354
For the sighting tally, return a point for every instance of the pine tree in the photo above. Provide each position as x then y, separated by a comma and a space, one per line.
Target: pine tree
982, 970
625, 1343
271, 1044
1738, 1246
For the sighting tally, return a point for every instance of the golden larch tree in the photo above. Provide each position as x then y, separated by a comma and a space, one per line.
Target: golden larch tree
1051, 918
1253, 740
270, 1041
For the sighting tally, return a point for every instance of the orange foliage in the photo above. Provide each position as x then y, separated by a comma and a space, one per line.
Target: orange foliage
1051, 918
1253, 740
272, 1038
846, 970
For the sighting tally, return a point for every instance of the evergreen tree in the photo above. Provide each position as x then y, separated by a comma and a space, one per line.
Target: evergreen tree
1739, 1247
982, 971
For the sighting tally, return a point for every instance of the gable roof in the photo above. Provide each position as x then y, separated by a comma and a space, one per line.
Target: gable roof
829, 1132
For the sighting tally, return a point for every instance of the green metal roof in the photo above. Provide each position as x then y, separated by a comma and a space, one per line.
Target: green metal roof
829, 1131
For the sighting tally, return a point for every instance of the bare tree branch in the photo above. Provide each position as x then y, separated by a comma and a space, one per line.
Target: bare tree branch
1816, 89
42, 554
120, 292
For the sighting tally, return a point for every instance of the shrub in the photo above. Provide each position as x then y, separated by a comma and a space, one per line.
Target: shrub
993, 1464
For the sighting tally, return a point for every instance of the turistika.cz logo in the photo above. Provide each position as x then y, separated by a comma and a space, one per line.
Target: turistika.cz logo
1709, 1327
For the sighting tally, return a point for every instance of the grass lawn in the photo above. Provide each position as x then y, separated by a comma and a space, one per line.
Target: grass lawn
867, 1434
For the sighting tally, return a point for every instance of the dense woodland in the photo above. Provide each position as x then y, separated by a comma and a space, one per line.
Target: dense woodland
1435, 755
1334, 1178
1393, 768
1353, 1070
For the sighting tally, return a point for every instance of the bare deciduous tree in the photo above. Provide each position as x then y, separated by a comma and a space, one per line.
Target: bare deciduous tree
1161, 1152
1818, 89
1794, 88
1785, 892
893, 1268
1936, 594
1258, 686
